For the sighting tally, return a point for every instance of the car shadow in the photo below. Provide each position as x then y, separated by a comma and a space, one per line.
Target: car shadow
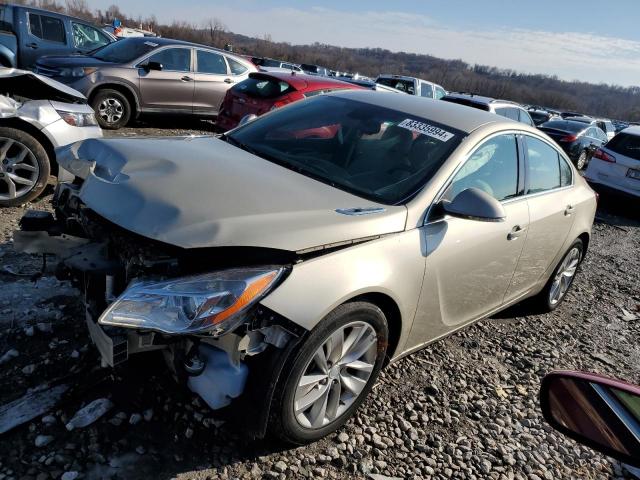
618, 211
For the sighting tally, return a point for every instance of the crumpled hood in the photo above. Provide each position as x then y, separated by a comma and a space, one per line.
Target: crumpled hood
24, 83
203, 192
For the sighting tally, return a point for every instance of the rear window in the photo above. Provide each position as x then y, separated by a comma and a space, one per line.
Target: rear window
263, 88
564, 125
467, 103
399, 84
625, 144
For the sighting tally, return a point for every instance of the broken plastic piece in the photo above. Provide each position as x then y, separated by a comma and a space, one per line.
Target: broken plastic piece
89, 413
221, 381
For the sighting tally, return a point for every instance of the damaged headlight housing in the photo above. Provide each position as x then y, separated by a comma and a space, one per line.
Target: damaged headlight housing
76, 119
213, 302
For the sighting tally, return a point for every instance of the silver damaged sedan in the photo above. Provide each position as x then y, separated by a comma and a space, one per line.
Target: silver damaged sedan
279, 267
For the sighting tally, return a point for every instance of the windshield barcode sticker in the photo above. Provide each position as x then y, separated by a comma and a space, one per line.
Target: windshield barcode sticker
426, 129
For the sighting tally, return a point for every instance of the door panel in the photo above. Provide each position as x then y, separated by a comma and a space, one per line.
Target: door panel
212, 81
549, 226
469, 267
43, 35
172, 87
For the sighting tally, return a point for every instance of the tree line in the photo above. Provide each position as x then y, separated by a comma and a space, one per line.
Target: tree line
605, 100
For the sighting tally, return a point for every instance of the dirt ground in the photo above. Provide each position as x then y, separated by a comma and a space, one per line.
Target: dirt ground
465, 407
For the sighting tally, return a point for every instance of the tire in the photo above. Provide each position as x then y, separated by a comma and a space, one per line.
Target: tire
22, 159
112, 109
581, 161
545, 300
350, 319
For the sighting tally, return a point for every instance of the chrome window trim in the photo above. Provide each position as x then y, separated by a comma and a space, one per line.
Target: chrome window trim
508, 201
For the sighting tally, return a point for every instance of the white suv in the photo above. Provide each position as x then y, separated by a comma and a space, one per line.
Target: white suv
505, 108
616, 165
412, 86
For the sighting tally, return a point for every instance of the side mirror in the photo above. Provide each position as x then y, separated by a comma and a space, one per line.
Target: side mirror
474, 204
596, 411
152, 66
246, 119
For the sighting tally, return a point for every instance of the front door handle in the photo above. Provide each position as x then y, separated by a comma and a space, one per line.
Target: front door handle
516, 232
569, 210
228, 80
32, 45
186, 78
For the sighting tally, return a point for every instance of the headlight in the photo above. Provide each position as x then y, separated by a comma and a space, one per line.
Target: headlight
77, 72
215, 302
78, 119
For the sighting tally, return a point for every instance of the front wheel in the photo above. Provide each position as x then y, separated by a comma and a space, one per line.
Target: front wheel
24, 167
112, 109
331, 374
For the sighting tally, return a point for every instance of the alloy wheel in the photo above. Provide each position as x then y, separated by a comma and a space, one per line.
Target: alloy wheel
564, 276
110, 110
19, 169
336, 375
582, 161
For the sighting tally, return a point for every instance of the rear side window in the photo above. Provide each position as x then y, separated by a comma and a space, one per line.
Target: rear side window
524, 117
173, 59
426, 90
508, 112
236, 67
543, 166
565, 173
211, 62
440, 92
47, 28
625, 144
406, 86
263, 88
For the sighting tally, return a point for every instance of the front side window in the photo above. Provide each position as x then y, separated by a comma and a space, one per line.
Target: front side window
87, 37
47, 28
173, 59
543, 166
492, 168
211, 62
374, 152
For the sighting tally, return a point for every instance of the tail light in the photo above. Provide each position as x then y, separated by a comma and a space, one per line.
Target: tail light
569, 138
604, 156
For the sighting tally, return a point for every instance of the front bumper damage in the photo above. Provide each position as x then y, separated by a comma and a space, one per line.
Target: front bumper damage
221, 368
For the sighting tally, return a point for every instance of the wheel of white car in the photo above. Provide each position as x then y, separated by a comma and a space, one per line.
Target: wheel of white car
24, 167
331, 373
556, 288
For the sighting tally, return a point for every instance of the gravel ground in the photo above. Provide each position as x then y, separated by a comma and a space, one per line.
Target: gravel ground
465, 407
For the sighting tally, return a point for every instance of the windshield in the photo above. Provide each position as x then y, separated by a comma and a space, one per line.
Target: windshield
406, 86
377, 153
124, 51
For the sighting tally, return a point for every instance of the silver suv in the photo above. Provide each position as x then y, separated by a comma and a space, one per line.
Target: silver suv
506, 108
412, 86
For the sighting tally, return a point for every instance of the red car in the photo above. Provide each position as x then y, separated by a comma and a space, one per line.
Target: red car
264, 91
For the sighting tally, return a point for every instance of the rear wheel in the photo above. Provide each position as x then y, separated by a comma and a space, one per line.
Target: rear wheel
556, 288
24, 167
112, 108
331, 374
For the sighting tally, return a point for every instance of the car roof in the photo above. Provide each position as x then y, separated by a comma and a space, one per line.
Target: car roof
582, 119
632, 130
162, 41
301, 81
463, 118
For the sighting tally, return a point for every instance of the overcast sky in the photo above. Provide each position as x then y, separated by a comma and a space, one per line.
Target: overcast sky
595, 41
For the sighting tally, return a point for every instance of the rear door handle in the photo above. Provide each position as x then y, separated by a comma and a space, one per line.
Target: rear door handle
186, 78
516, 232
569, 210
228, 80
